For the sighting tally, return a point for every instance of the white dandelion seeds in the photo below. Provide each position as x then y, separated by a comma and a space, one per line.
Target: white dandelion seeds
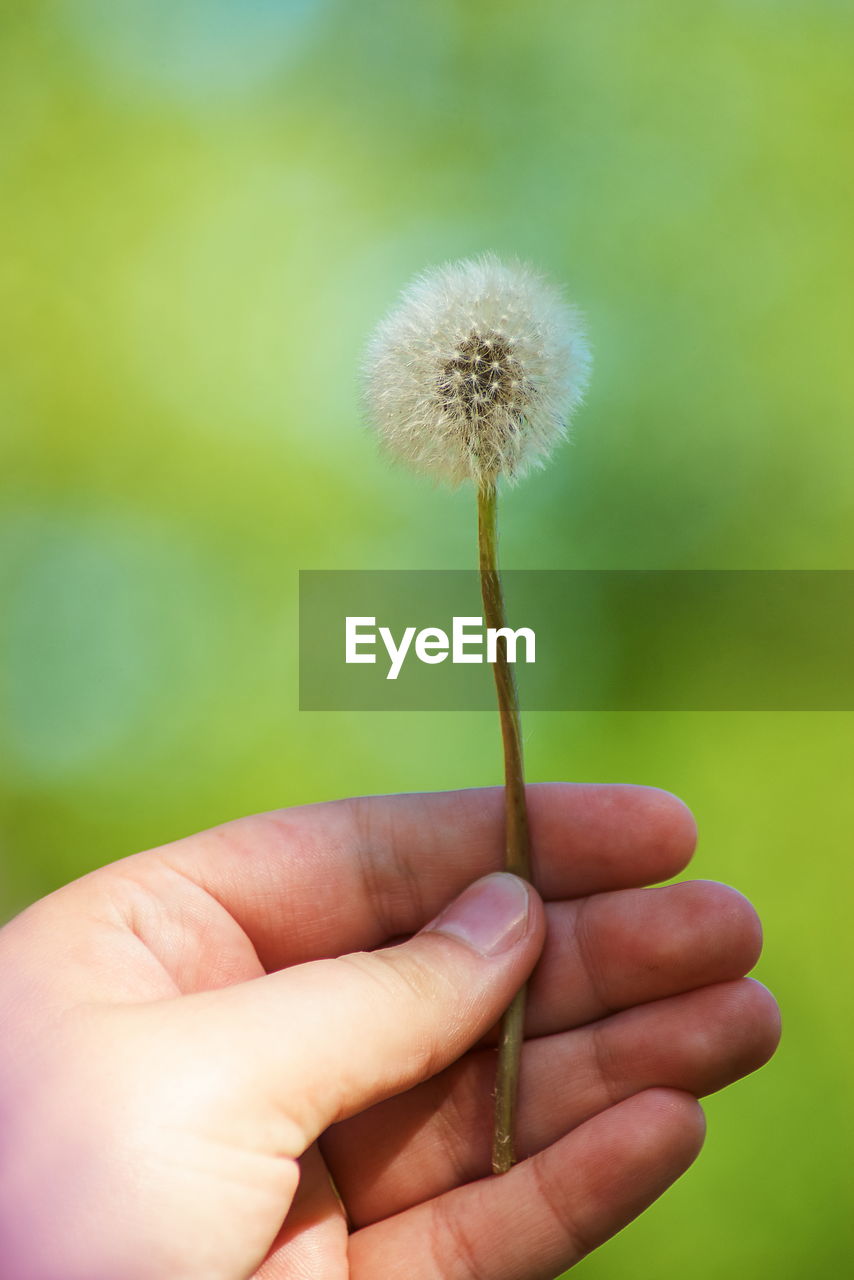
476, 372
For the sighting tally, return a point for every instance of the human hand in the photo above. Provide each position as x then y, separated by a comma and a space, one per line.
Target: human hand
187, 1061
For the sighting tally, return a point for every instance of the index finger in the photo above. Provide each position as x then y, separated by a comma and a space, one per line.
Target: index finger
345, 875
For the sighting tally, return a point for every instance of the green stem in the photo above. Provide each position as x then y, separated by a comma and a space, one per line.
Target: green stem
517, 839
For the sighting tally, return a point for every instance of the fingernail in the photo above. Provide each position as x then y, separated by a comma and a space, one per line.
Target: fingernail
490, 916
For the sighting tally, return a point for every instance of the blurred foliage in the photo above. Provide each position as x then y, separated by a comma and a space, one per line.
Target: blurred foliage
206, 206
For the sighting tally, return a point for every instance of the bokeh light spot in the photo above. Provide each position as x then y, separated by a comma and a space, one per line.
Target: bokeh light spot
196, 49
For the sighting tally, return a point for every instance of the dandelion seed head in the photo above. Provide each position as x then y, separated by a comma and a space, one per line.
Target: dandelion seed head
476, 371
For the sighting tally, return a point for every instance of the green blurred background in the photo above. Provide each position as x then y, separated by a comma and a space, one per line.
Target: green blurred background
205, 208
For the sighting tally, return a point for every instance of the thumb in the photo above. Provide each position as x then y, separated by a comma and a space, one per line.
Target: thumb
318, 1042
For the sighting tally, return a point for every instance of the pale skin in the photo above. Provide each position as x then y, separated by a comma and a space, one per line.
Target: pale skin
199, 1039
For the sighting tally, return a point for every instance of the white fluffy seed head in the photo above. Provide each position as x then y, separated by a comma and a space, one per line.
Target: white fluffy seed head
476, 371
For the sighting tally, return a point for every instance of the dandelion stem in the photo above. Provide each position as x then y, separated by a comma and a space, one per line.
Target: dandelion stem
517, 840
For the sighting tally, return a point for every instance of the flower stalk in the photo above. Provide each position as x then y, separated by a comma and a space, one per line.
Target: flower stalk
473, 377
517, 839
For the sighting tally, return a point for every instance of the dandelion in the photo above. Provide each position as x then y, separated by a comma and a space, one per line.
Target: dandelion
475, 373
474, 376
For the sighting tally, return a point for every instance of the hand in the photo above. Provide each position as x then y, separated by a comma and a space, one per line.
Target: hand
200, 1039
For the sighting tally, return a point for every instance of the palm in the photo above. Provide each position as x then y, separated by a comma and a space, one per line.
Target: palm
638, 993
